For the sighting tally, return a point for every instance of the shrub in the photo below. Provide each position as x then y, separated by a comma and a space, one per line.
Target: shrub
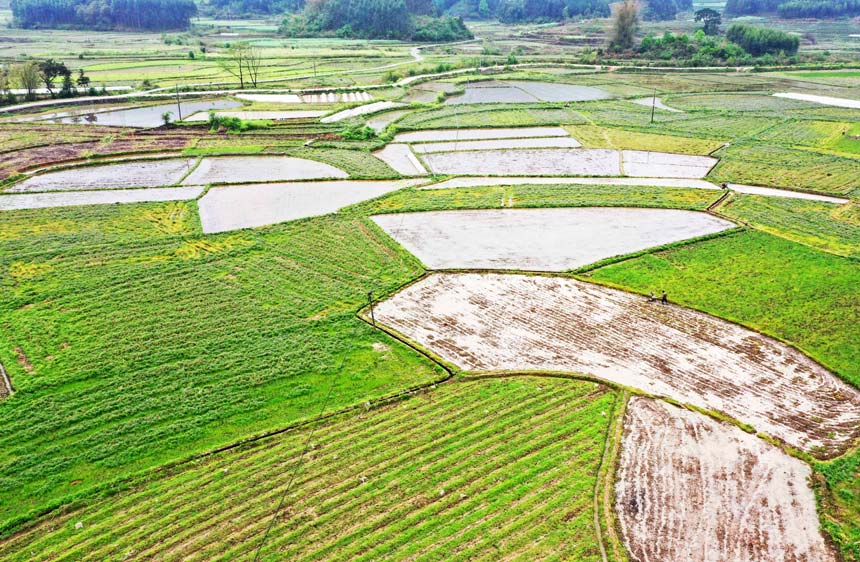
759, 41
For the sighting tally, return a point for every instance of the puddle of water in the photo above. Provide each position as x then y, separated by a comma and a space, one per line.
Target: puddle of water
528, 162
825, 100
514, 91
540, 239
244, 206
494, 144
240, 169
258, 115
144, 173
75, 198
401, 159
141, 117
361, 110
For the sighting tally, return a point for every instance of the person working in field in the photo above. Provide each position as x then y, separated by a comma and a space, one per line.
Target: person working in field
664, 298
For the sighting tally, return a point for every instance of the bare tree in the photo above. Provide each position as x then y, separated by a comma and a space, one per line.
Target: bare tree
27, 75
235, 62
625, 24
253, 59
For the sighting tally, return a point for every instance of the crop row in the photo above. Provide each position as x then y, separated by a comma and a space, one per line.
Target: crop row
473, 470
165, 340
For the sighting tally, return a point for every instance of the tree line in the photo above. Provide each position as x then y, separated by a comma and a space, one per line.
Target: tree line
741, 45
795, 8
56, 77
149, 15
375, 19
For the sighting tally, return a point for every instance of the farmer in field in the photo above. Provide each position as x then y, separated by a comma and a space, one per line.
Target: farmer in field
664, 299
651, 297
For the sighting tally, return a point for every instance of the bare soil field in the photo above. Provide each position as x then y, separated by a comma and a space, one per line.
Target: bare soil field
514, 91
540, 239
691, 489
244, 206
496, 144
435, 135
496, 322
549, 162
244, 169
144, 173
401, 159
104, 197
488, 180
643, 163
34, 157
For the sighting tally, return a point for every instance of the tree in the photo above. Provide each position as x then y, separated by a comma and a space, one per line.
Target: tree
760, 41
83, 81
253, 58
235, 63
710, 19
50, 70
625, 24
483, 9
27, 75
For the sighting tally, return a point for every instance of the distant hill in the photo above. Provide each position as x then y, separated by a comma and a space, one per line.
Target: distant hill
150, 15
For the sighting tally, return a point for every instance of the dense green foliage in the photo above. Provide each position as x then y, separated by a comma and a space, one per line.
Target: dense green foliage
372, 19
133, 340
665, 9
550, 10
148, 15
794, 8
484, 469
826, 226
761, 40
700, 49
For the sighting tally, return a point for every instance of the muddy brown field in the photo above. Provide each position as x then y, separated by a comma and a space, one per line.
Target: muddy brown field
496, 322
691, 489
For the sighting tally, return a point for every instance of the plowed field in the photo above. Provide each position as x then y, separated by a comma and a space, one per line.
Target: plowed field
491, 322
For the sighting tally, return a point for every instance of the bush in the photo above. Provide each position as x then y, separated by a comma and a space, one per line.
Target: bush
759, 41
231, 124
358, 131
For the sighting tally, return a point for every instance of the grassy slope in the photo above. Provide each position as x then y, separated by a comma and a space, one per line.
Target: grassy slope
828, 227
799, 294
477, 470
134, 341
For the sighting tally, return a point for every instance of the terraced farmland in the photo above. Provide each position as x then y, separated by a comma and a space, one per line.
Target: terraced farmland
469, 471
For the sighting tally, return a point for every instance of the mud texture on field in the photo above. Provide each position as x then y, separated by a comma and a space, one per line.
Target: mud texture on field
540, 239
143, 173
496, 322
691, 489
29, 158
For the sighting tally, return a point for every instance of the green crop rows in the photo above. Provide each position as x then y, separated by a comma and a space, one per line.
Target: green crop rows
477, 470
123, 327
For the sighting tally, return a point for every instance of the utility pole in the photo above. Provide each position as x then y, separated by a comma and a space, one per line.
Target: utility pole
370, 302
653, 103
178, 104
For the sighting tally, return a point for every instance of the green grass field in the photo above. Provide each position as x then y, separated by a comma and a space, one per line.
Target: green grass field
123, 327
477, 470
